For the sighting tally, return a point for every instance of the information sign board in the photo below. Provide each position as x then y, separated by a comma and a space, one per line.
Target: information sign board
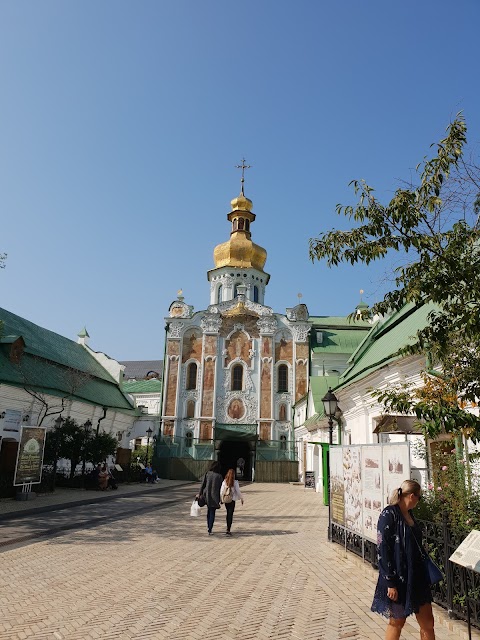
468, 553
337, 485
310, 479
28, 469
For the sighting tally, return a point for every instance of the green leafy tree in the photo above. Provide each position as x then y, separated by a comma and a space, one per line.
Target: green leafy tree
434, 227
100, 446
73, 444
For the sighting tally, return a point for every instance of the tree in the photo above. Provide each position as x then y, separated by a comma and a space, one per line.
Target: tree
434, 227
73, 443
100, 446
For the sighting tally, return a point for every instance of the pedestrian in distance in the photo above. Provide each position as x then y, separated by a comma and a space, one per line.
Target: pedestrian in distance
403, 585
103, 478
229, 494
210, 490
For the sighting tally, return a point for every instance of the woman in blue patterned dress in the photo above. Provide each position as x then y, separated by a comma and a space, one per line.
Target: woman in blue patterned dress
403, 586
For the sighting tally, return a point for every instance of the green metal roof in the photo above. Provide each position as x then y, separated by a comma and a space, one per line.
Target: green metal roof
319, 386
383, 343
58, 366
154, 385
338, 341
338, 321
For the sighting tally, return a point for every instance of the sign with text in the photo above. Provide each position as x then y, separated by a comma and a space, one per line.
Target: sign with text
28, 469
468, 553
310, 479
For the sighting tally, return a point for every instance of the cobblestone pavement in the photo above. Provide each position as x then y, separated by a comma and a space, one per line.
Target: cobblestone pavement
159, 575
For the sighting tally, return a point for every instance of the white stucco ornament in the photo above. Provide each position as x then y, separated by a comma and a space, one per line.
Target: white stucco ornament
267, 325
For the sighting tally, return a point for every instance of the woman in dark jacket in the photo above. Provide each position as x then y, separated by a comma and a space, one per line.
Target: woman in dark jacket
403, 586
210, 490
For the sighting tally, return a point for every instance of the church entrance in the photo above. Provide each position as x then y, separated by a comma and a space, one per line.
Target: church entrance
238, 455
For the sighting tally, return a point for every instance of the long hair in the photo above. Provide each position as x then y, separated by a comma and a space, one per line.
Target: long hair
407, 487
230, 478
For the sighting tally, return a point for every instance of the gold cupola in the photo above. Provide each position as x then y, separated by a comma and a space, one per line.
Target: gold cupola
240, 251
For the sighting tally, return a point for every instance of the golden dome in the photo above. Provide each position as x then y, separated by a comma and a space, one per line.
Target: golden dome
240, 251
241, 203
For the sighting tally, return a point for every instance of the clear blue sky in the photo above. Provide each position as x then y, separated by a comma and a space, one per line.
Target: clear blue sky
121, 123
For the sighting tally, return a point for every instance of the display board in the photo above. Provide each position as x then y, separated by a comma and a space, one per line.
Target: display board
372, 489
352, 475
361, 479
28, 469
468, 553
337, 491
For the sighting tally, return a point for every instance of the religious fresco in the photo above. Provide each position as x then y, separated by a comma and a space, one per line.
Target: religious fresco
210, 345
205, 431
265, 431
236, 409
283, 349
266, 390
238, 346
170, 408
300, 380
173, 348
192, 346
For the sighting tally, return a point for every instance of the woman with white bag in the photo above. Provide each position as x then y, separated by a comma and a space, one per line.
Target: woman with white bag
229, 493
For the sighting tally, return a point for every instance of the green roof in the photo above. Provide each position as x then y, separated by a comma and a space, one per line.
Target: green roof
58, 366
338, 321
154, 385
383, 343
338, 341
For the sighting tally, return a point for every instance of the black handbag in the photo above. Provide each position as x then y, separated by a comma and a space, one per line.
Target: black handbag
201, 498
201, 501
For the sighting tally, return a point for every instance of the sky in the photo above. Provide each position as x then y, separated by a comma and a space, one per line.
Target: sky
121, 123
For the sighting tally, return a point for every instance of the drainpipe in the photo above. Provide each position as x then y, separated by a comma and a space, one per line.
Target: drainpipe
101, 418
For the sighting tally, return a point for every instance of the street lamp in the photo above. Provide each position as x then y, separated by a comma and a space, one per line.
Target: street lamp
58, 422
149, 433
330, 405
87, 429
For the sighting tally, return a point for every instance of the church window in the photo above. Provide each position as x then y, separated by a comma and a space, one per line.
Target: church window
188, 439
219, 294
235, 224
282, 378
247, 225
237, 378
282, 413
283, 442
192, 376
241, 224
191, 409
255, 293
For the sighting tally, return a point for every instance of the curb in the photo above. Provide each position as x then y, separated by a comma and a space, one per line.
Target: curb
14, 515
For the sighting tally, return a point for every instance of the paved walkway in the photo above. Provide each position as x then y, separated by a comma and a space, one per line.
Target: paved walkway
62, 496
158, 575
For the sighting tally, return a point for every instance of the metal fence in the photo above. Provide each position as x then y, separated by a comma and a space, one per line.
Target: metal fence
197, 449
441, 541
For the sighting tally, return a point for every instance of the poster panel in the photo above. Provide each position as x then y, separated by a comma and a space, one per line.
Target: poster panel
352, 473
372, 491
12, 422
337, 485
30, 456
396, 467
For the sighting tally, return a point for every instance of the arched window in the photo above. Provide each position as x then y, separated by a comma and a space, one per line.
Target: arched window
219, 294
188, 439
192, 376
283, 442
247, 225
241, 223
282, 378
255, 293
237, 378
191, 409
282, 413
235, 224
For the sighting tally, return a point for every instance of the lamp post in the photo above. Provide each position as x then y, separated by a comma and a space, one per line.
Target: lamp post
330, 406
149, 433
87, 427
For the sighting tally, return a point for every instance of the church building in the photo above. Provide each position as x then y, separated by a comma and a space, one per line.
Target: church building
233, 372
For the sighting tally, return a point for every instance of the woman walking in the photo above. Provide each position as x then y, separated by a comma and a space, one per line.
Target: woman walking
229, 493
210, 490
403, 585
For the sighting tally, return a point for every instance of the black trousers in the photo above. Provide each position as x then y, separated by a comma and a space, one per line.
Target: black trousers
230, 507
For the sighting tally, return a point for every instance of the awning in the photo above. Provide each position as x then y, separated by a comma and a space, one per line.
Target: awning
236, 432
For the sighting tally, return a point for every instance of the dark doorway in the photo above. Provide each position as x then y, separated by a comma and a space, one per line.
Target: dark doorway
229, 455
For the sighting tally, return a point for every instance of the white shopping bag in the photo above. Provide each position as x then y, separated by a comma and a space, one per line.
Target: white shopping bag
195, 510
